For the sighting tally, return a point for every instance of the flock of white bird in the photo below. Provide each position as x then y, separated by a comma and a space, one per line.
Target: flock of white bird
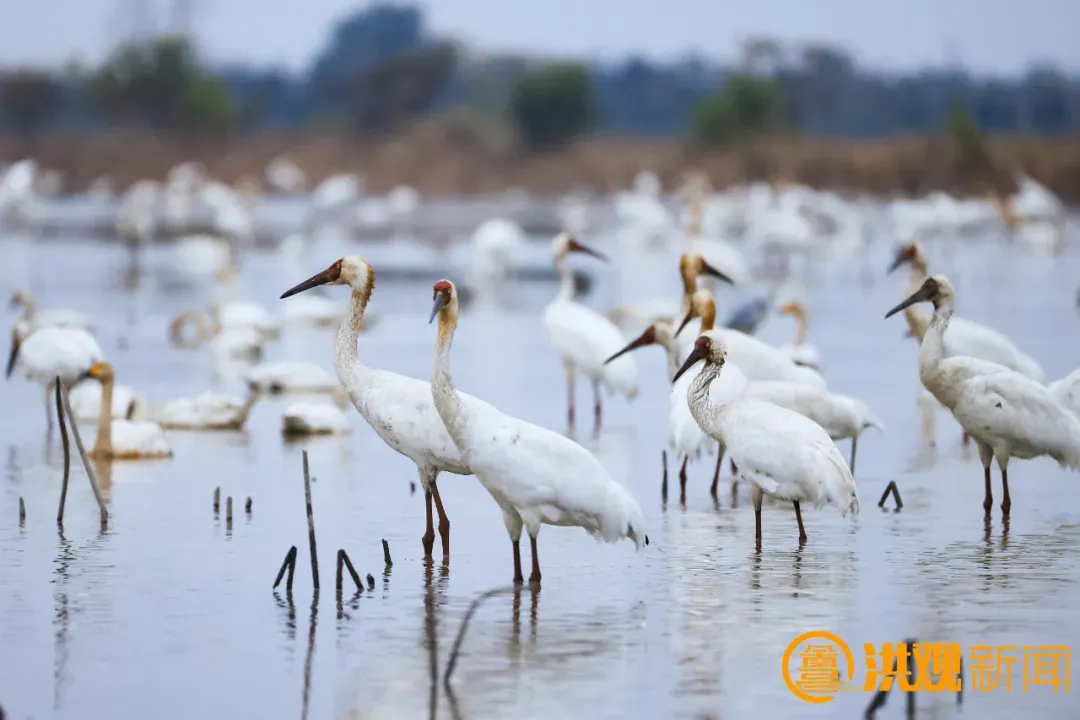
767, 409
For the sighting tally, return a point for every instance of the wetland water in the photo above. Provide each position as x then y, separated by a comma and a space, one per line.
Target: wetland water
170, 614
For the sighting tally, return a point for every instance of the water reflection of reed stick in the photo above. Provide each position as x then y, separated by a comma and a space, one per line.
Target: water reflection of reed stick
455, 650
67, 454
310, 653
311, 525
90, 473
247, 506
228, 513
290, 565
217, 501
22, 512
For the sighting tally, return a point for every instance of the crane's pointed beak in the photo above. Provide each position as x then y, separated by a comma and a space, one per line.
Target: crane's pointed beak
900, 259
698, 353
441, 301
326, 276
575, 246
646, 338
921, 295
15, 342
685, 321
707, 269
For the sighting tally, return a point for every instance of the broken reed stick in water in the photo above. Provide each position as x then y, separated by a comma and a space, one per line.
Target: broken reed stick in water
310, 524
247, 506
217, 501
456, 649
344, 561
386, 554
228, 513
891, 488
67, 453
91, 474
22, 511
290, 565
370, 582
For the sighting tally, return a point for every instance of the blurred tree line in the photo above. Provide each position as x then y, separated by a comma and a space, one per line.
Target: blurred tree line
380, 68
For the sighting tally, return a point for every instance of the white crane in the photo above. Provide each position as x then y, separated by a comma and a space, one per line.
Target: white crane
123, 439
784, 454
535, 475
584, 338
842, 416
964, 337
1008, 414
398, 408
50, 352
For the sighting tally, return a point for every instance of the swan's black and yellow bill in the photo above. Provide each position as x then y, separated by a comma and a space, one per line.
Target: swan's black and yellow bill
646, 338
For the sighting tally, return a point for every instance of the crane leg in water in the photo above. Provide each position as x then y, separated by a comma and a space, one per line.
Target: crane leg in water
429, 532
755, 496
1006, 503
854, 445
518, 577
444, 522
716, 474
570, 396
802, 530
598, 409
682, 480
534, 578
986, 455
663, 483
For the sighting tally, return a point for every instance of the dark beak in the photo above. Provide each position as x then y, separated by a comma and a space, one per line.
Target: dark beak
15, 342
441, 301
314, 281
708, 269
646, 338
921, 295
576, 246
900, 259
691, 360
686, 321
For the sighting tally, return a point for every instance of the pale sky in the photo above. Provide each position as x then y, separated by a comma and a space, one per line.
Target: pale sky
986, 36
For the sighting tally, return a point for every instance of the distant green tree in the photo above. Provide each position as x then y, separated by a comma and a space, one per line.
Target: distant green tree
744, 107
553, 106
147, 82
208, 107
28, 100
970, 156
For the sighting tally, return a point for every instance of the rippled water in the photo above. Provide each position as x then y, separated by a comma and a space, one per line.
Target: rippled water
169, 613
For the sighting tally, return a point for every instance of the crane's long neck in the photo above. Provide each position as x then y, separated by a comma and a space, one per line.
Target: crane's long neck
566, 280
27, 313
702, 407
103, 444
917, 321
346, 358
802, 323
932, 349
447, 403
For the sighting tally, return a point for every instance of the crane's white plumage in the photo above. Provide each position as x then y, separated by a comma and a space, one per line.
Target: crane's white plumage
51, 351
537, 476
1067, 390
784, 454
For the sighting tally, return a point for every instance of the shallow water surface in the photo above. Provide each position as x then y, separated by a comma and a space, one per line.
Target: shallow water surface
169, 612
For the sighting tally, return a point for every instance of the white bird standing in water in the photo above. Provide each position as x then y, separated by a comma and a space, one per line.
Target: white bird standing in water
535, 475
783, 453
1007, 413
584, 338
398, 408
67, 352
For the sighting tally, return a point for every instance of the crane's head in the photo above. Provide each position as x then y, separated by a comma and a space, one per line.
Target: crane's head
910, 253
936, 289
709, 347
102, 372
565, 243
702, 305
351, 270
444, 300
657, 333
693, 266
795, 308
